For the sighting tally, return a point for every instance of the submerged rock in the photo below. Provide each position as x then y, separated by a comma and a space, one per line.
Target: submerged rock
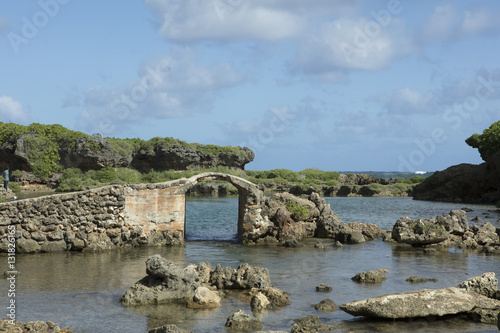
168, 329
369, 277
326, 305
324, 288
8, 326
419, 279
242, 322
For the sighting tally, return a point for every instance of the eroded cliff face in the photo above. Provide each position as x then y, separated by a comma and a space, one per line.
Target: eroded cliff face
88, 153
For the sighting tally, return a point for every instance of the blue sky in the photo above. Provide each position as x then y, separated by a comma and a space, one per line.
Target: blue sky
328, 84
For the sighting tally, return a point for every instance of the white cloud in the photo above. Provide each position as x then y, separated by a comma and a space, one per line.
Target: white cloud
12, 111
175, 86
480, 20
447, 23
192, 20
442, 24
350, 44
409, 101
483, 85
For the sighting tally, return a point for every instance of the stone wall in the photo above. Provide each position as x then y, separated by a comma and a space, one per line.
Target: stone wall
119, 216
97, 219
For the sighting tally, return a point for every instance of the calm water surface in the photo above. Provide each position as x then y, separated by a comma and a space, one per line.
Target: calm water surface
81, 290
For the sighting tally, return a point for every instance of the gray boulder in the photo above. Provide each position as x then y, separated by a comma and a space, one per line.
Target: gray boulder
486, 284
242, 322
168, 329
463, 299
204, 298
259, 302
324, 288
369, 277
421, 303
197, 286
419, 279
419, 232
326, 305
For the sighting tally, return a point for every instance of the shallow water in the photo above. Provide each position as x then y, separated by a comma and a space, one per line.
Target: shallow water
81, 290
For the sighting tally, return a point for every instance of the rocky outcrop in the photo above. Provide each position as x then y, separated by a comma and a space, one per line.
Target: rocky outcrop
326, 305
463, 299
243, 322
198, 286
468, 182
295, 218
183, 158
448, 230
93, 153
369, 277
7, 325
168, 329
309, 324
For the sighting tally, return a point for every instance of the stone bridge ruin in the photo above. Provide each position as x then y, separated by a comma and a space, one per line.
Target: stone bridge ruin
120, 216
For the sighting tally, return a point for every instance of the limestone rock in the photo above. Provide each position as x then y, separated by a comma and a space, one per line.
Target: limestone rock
369, 277
421, 303
419, 279
277, 297
242, 322
204, 298
326, 305
323, 287
168, 329
485, 284
27, 246
418, 232
259, 302
31, 326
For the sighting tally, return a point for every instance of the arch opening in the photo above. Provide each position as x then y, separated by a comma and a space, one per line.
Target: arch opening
205, 213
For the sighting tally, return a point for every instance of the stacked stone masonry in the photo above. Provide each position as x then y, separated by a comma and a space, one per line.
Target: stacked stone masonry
116, 216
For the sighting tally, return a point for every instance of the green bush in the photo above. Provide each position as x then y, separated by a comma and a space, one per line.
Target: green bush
71, 180
105, 175
128, 176
297, 211
16, 175
14, 186
488, 142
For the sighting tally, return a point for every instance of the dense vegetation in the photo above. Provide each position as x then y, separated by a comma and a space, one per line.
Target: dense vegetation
488, 142
44, 143
74, 179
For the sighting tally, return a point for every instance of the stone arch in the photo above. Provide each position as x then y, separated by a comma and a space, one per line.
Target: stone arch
251, 200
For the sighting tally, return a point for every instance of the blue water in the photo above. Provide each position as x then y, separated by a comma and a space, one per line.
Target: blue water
81, 290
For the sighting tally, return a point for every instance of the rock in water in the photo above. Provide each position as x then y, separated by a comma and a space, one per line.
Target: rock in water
486, 284
369, 277
168, 329
326, 305
324, 288
259, 302
242, 322
204, 298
